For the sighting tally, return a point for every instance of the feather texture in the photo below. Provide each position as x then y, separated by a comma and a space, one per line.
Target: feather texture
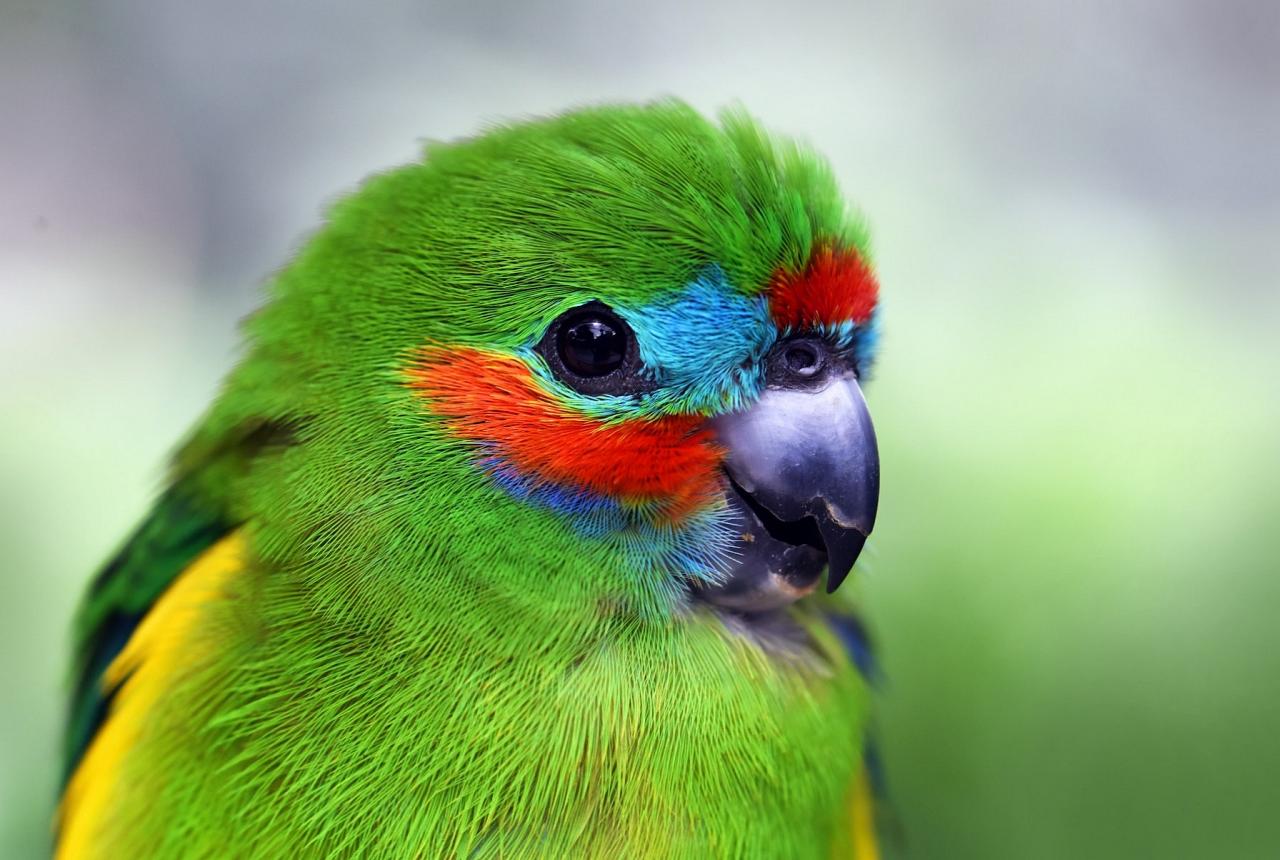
452, 618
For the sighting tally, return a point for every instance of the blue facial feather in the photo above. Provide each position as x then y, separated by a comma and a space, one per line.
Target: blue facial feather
700, 548
704, 345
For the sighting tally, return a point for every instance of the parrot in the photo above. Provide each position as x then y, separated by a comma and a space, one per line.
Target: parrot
516, 529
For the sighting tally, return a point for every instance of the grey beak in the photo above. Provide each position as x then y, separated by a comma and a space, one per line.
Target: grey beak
805, 476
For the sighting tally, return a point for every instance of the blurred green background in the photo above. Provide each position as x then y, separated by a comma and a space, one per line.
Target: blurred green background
1077, 222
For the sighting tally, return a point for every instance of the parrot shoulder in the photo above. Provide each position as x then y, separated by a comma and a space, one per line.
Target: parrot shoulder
869, 810
186, 543
180, 527
158, 651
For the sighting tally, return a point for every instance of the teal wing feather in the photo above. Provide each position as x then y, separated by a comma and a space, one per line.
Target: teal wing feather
189, 517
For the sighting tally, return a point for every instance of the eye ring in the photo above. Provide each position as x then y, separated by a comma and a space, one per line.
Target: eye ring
592, 349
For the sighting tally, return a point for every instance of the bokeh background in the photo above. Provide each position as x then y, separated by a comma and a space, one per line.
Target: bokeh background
1077, 225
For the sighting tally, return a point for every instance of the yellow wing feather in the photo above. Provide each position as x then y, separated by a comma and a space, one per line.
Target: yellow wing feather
865, 846
152, 660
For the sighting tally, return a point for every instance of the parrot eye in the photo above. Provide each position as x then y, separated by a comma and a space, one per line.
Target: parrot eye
593, 350
591, 343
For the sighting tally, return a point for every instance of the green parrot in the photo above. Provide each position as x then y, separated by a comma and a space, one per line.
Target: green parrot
504, 537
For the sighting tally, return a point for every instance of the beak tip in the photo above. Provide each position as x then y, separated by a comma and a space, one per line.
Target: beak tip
844, 546
836, 577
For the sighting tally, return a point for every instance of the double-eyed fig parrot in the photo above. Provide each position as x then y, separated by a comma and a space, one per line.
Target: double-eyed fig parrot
505, 537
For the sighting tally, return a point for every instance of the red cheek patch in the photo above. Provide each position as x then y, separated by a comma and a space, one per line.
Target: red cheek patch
836, 286
494, 399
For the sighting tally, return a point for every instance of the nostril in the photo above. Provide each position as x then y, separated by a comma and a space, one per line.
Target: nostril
802, 359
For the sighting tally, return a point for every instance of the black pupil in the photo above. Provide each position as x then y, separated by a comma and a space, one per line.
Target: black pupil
591, 346
802, 360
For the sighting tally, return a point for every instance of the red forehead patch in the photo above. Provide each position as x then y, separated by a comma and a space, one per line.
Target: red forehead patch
836, 286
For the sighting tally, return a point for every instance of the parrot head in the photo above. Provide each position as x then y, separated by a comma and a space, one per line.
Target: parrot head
611, 359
